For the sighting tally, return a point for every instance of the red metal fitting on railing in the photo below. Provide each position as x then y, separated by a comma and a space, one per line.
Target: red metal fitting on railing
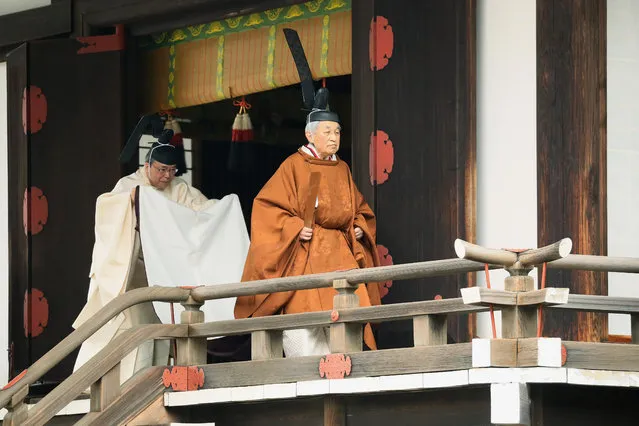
334, 315
335, 366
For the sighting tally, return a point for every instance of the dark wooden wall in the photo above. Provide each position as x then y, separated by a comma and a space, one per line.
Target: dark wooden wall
421, 100
567, 405
66, 159
571, 148
551, 405
18, 180
459, 407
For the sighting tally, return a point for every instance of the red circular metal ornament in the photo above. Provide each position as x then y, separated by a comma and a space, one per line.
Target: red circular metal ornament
380, 43
36, 204
385, 259
381, 157
34, 109
181, 378
334, 315
36, 313
335, 366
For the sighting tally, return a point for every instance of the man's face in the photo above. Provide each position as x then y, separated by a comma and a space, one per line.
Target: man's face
326, 138
160, 175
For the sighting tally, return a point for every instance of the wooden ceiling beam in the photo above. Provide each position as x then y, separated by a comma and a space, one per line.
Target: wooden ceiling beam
34, 24
150, 16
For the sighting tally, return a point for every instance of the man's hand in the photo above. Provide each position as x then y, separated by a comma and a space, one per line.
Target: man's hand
358, 232
306, 234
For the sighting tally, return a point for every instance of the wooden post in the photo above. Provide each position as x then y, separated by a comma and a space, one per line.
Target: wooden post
17, 409
266, 345
191, 350
519, 321
572, 150
334, 411
429, 330
634, 328
106, 389
345, 337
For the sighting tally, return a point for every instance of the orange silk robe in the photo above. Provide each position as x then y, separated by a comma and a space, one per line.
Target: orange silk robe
276, 250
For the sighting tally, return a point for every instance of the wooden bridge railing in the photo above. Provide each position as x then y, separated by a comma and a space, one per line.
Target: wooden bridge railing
518, 304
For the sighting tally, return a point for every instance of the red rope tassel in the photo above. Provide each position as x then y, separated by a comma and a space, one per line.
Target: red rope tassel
242, 129
492, 313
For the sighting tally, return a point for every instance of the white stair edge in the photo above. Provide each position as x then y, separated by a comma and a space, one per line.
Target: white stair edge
403, 382
393, 383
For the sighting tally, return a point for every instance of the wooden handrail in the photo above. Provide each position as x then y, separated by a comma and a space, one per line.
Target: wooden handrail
433, 268
597, 263
97, 366
377, 274
86, 330
595, 303
392, 312
172, 294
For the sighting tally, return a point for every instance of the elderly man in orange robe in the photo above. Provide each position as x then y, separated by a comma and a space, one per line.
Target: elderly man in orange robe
341, 237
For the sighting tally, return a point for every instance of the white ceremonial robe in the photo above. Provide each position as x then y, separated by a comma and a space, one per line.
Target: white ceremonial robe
188, 240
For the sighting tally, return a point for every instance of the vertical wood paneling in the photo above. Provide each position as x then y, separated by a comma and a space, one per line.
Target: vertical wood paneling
18, 181
571, 148
363, 98
424, 99
72, 158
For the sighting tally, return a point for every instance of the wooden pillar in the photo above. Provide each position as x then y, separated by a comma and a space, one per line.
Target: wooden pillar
334, 411
634, 328
266, 345
414, 139
191, 350
519, 321
57, 82
18, 180
345, 337
363, 98
571, 149
106, 389
430, 330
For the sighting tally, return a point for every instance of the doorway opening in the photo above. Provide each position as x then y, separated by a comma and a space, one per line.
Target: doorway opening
218, 166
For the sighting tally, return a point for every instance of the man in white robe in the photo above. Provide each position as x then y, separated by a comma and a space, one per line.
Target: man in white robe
118, 264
